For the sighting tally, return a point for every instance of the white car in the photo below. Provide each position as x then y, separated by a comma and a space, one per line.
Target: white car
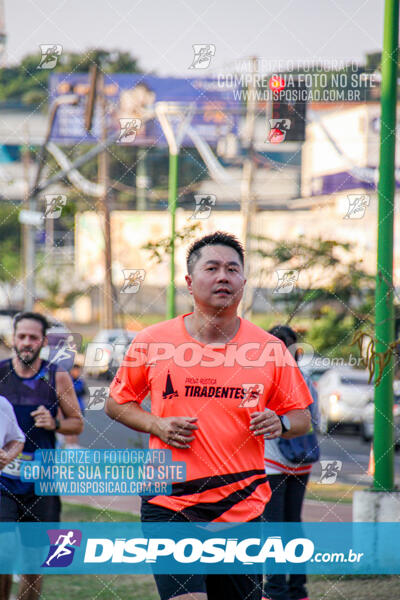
343, 394
367, 422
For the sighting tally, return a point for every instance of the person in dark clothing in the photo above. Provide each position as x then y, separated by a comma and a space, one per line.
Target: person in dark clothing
72, 441
38, 392
288, 481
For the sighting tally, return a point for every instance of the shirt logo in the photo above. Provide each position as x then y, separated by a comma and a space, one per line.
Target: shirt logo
169, 391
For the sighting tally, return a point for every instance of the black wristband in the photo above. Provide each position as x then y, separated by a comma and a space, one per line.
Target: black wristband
285, 423
58, 424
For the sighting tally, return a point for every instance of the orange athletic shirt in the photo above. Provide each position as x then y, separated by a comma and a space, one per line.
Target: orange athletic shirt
221, 385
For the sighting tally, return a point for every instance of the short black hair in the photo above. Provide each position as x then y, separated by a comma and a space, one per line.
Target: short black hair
284, 333
33, 316
219, 238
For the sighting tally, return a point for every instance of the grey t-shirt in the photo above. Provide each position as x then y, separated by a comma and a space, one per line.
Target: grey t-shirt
9, 428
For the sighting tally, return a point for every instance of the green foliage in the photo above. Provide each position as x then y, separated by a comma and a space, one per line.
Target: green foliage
328, 271
114, 61
27, 84
10, 242
334, 291
60, 290
160, 249
17, 81
332, 333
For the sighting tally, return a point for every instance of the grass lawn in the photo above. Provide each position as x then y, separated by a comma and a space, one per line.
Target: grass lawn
336, 492
350, 587
142, 587
79, 512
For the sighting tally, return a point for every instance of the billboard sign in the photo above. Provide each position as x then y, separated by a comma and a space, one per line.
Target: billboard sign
132, 96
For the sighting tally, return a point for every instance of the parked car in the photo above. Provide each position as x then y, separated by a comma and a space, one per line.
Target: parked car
367, 423
105, 351
343, 394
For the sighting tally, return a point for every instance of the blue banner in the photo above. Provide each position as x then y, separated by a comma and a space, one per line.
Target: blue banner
131, 99
133, 548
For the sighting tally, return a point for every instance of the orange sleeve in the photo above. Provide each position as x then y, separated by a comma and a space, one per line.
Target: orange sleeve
289, 390
130, 383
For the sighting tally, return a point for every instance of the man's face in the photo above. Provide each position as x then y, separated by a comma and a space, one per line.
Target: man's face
217, 278
28, 340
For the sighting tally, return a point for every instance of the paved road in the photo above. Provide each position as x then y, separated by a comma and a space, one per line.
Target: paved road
345, 446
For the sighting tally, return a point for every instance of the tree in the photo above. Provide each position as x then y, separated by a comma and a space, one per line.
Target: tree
161, 249
60, 289
10, 242
331, 285
25, 83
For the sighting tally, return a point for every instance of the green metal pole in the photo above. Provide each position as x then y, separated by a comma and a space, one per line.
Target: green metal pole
141, 177
384, 314
172, 197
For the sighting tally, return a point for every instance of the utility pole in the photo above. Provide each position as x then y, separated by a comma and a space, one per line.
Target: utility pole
247, 199
384, 312
104, 212
141, 179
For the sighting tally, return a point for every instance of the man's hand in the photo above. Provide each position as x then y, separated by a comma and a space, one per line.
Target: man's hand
266, 423
43, 418
4, 459
175, 431
10, 451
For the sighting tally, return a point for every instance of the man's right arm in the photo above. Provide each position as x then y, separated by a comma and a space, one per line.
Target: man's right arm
174, 431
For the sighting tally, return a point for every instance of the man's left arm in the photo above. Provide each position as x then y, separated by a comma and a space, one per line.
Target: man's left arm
289, 397
269, 424
71, 421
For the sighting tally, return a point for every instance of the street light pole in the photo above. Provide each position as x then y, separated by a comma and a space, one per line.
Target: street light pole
165, 112
172, 196
384, 314
248, 208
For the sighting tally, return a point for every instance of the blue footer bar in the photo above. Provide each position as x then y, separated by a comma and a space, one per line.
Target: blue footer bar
133, 548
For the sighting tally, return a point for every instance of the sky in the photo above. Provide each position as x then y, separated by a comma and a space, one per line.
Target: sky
160, 33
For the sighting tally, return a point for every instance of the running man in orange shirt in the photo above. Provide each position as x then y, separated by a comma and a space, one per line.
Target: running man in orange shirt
218, 385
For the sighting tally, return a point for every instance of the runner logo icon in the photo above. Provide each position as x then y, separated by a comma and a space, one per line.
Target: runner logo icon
62, 547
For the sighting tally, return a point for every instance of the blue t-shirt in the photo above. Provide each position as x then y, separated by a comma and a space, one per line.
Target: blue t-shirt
80, 391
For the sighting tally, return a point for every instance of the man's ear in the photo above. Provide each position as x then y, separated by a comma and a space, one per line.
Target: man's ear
188, 280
